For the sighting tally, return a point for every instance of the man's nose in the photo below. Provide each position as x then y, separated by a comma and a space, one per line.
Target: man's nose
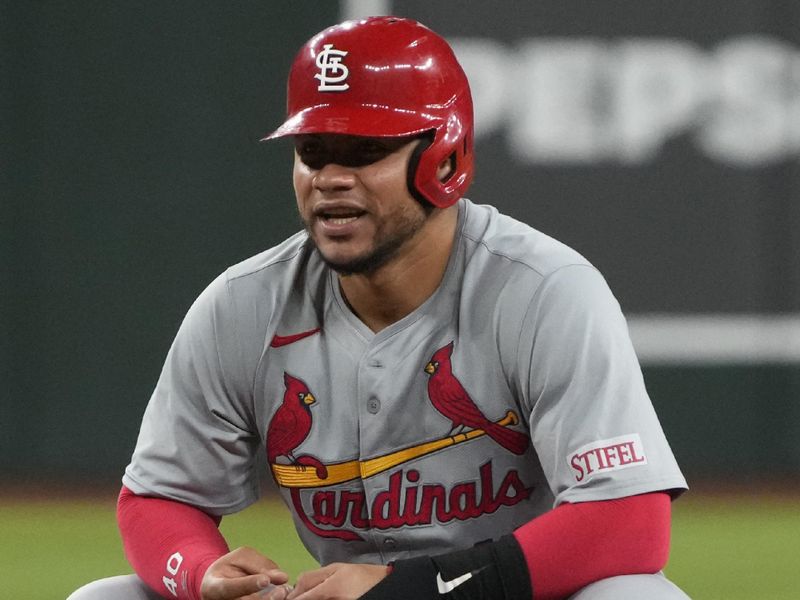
333, 176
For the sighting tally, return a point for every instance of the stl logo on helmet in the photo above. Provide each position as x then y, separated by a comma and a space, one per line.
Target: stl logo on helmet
332, 71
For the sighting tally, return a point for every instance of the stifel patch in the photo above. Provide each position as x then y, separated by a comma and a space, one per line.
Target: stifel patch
602, 456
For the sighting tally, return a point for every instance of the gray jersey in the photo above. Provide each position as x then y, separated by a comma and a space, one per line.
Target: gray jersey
513, 388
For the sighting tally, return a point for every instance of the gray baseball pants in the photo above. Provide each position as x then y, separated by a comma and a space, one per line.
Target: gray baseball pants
624, 587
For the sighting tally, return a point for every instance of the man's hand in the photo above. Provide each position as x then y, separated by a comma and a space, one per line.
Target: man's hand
240, 574
338, 581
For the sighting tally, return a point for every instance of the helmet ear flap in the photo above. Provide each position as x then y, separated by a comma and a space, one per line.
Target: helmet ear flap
451, 142
414, 160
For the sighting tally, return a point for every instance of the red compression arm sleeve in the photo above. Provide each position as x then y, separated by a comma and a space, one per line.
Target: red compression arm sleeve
576, 544
169, 544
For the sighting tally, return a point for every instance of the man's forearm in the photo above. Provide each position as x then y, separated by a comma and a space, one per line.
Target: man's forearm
169, 544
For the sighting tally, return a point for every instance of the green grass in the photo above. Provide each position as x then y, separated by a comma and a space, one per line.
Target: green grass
725, 548
48, 548
731, 548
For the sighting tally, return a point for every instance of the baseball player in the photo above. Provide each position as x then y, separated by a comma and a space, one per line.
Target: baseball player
447, 399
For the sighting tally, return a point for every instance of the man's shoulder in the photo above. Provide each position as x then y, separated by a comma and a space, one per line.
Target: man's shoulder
257, 290
267, 280
500, 237
271, 262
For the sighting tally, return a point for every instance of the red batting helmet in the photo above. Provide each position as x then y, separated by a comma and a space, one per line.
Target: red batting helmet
386, 76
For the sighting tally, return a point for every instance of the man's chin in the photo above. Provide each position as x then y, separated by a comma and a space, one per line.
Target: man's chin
364, 264
354, 266
371, 259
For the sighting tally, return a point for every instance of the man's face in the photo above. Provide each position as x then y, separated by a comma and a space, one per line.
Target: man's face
354, 200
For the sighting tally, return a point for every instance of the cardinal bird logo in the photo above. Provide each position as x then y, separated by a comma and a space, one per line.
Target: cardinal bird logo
292, 421
450, 398
290, 425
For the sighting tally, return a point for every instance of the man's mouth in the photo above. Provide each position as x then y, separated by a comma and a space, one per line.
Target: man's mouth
340, 217
339, 220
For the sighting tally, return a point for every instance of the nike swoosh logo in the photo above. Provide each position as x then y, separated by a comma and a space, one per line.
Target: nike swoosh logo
285, 340
446, 587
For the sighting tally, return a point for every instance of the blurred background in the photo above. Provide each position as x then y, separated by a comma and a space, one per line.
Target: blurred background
661, 140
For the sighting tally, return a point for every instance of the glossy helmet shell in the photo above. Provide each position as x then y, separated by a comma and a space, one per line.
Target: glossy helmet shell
387, 77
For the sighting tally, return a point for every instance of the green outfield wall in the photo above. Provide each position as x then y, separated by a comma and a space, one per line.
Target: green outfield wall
662, 144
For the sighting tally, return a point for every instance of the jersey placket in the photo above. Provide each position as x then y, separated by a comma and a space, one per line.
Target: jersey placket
373, 372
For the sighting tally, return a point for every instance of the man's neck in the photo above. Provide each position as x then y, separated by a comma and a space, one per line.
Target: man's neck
402, 285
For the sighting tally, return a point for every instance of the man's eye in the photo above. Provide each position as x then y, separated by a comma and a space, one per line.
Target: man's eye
309, 149
366, 153
372, 149
312, 154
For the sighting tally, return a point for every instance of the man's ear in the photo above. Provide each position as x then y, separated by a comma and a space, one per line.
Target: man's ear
445, 168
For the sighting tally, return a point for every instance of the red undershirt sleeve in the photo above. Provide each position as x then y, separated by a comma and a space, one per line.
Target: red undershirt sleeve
577, 544
169, 544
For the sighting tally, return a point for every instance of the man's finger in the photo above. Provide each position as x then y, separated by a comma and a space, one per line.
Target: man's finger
222, 588
250, 560
280, 592
310, 580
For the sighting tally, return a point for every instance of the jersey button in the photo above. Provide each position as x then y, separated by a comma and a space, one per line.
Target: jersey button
390, 543
373, 405
376, 363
